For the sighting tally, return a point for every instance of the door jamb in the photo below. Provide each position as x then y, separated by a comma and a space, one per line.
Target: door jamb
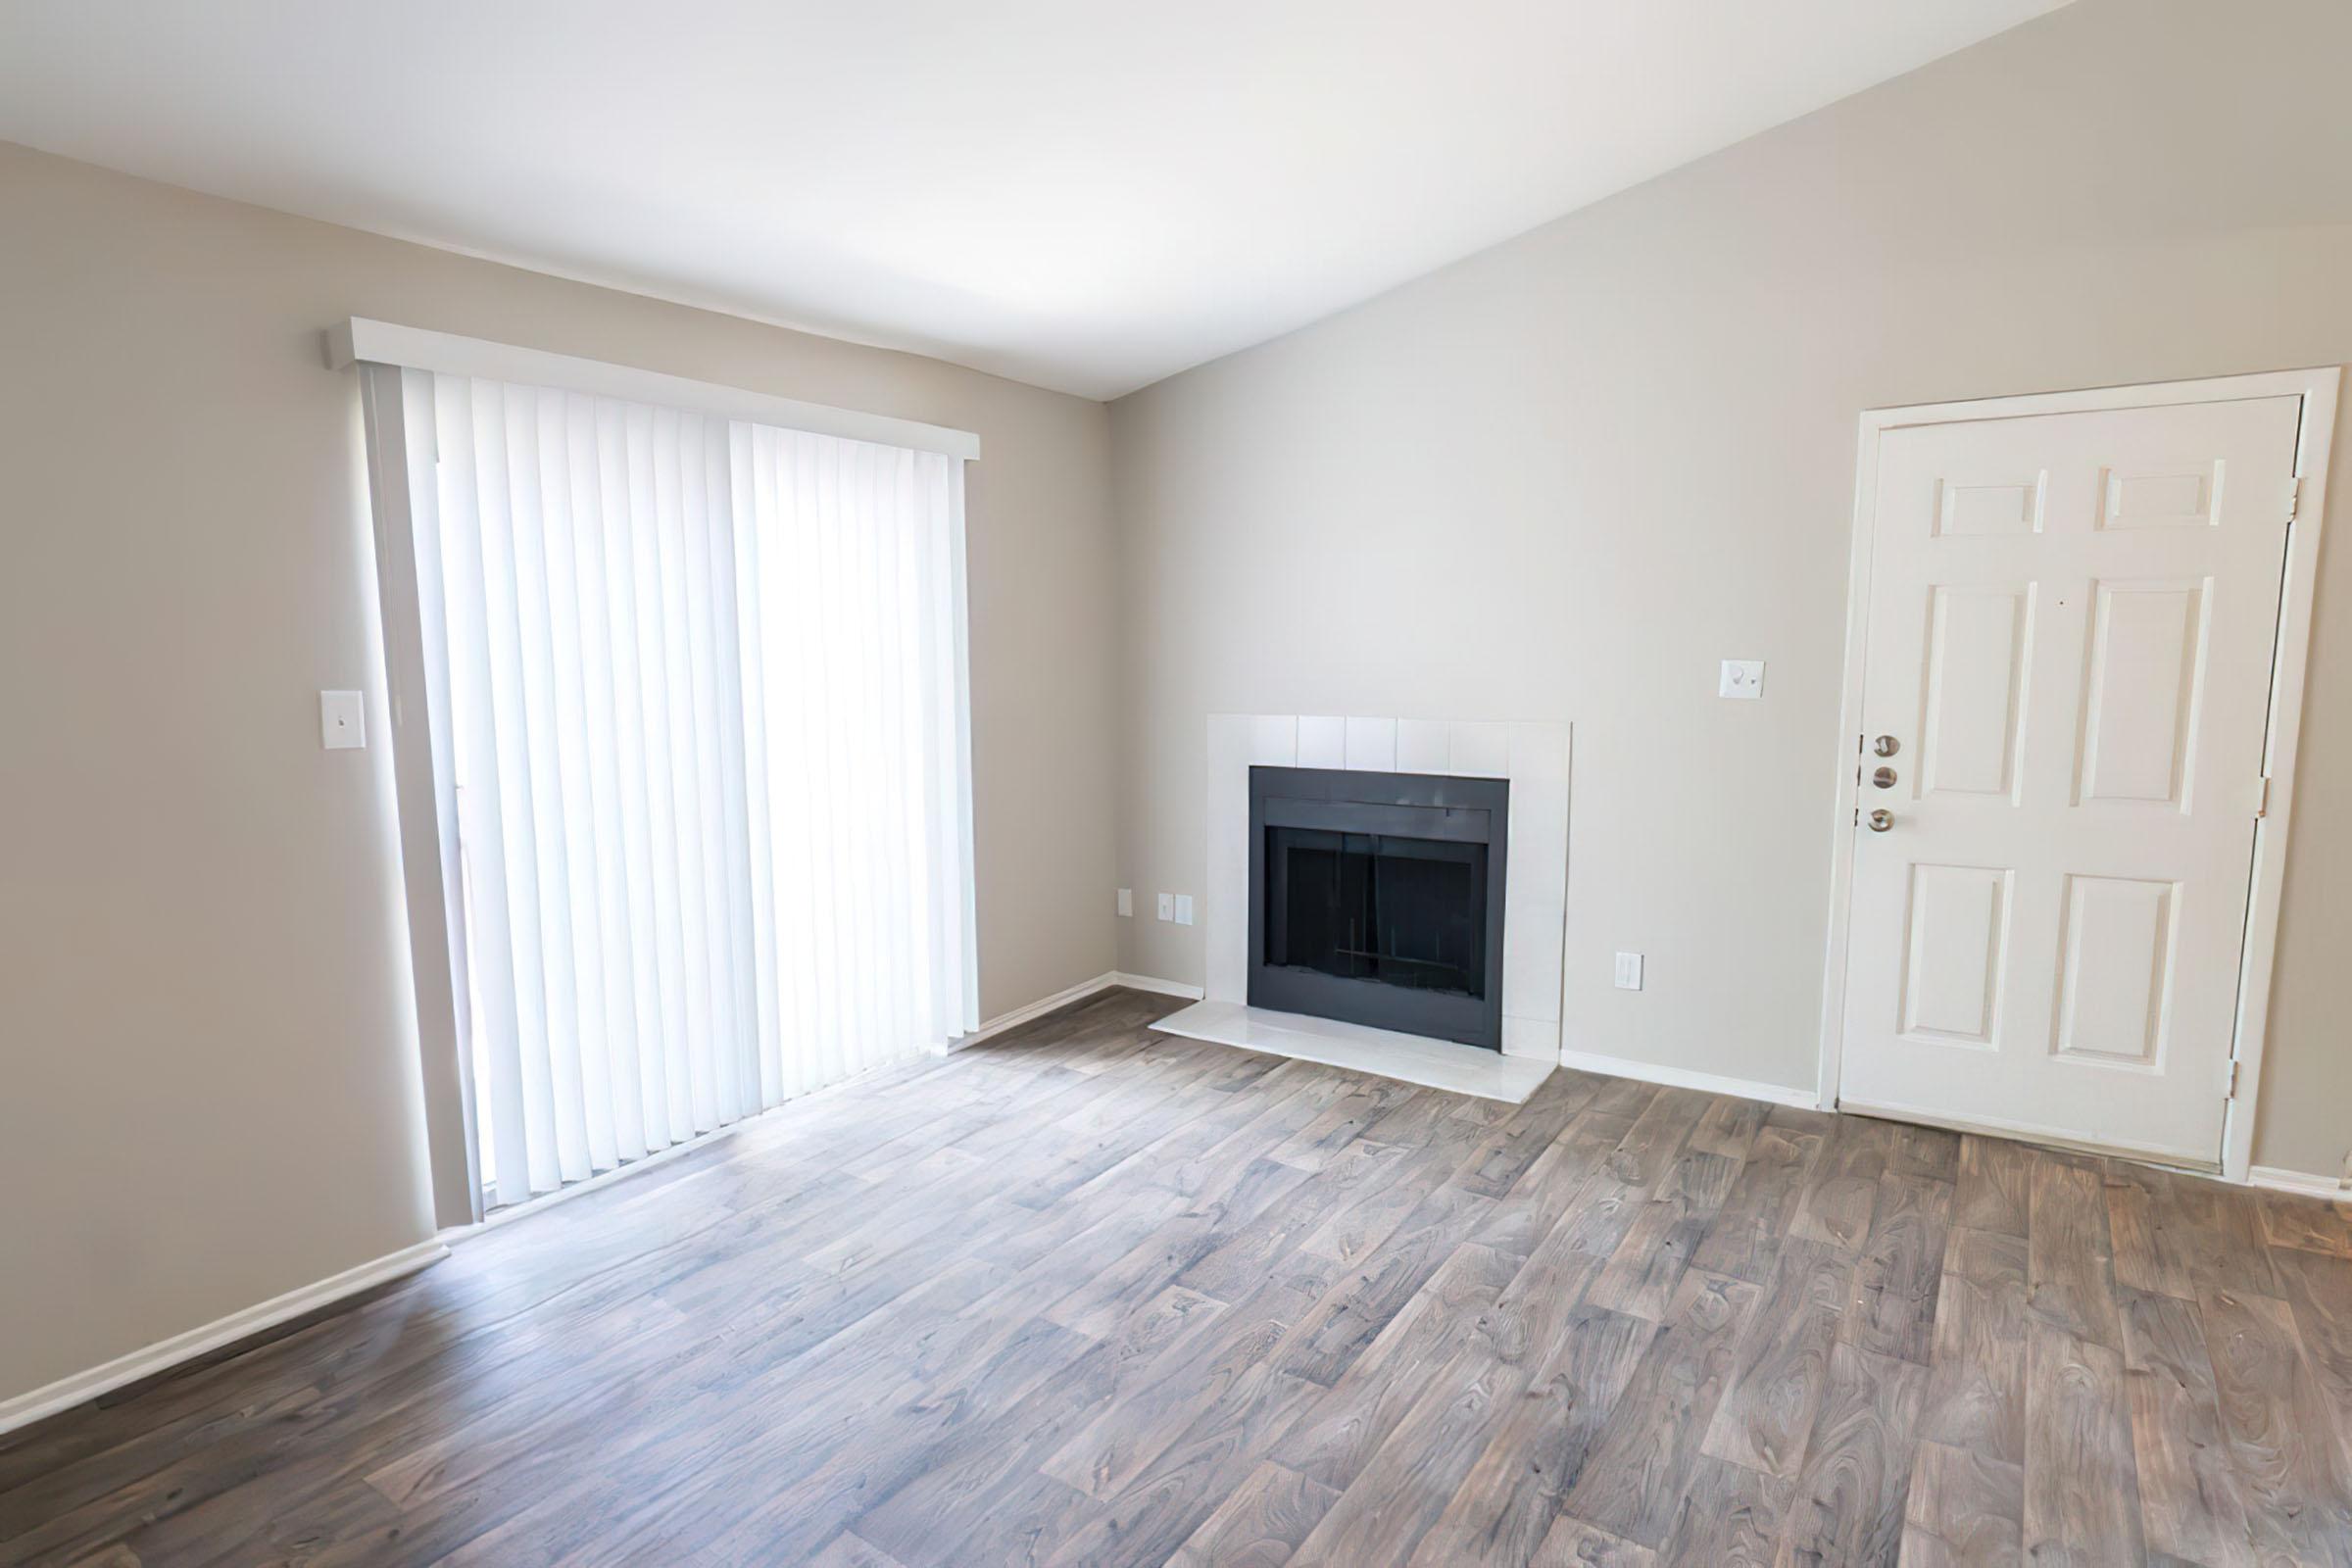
2317, 388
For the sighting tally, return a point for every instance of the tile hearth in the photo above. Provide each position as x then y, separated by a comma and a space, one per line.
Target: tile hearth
1432, 1063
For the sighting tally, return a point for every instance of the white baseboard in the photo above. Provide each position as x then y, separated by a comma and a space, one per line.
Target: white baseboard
81, 1387
1682, 1078
1035, 1009
1165, 988
1064, 998
2280, 1180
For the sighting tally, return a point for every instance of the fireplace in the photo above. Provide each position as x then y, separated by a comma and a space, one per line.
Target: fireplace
1378, 898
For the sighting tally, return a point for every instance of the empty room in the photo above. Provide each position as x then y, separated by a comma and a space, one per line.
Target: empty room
899, 785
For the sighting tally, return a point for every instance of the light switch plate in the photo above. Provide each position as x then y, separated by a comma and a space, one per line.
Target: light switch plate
1742, 677
342, 721
1168, 906
1629, 972
1184, 908
1127, 901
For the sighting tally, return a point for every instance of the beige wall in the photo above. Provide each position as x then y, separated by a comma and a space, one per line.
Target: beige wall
1640, 419
208, 1075
1637, 426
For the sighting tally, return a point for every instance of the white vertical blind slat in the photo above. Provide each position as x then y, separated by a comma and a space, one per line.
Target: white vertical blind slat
490, 957
509, 773
664, 718
609, 1072
703, 716
661, 1001
583, 1100
696, 784
836, 950
743, 1007
633, 994
759, 912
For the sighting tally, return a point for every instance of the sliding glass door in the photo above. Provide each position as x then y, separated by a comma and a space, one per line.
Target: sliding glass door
698, 681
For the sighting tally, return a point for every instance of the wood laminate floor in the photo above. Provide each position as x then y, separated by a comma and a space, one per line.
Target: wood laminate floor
1093, 1296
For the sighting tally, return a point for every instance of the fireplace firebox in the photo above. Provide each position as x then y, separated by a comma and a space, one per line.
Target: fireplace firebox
1377, 898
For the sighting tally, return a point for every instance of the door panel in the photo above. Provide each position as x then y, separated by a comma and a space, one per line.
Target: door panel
1952, 964
2070, 635
2140, 692
2114, 965
2158, 500
1975, 689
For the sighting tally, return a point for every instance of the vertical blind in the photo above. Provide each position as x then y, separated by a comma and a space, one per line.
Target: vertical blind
702, 685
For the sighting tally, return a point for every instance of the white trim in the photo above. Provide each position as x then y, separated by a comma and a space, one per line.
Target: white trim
1035, 1009
81, 1388
424, 775
1651, 1072
1084, 989
966, 835
1849, 782
1153, 983
360, 340
2279, 1179
2288, 667
2094, 400
2317, 388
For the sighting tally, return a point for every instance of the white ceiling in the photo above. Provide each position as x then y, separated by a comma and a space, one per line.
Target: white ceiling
1085, 194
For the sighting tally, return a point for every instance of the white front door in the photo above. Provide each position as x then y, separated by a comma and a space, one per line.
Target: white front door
2068, 668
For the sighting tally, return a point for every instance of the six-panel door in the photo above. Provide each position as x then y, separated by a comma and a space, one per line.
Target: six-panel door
2071, 626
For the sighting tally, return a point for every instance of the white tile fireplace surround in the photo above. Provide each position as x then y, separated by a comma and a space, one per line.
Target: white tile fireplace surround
1534, 758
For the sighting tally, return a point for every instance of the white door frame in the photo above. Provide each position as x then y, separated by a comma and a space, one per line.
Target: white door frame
2318, 390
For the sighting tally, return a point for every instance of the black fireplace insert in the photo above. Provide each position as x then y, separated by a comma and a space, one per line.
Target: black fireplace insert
1377, 898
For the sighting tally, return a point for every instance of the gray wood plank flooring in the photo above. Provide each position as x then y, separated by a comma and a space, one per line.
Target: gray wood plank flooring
1090, 1295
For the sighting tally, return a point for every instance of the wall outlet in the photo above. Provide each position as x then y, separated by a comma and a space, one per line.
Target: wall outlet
1184, 908
342, 721
1127, 902
1168, 906
1629, 972
1742, 677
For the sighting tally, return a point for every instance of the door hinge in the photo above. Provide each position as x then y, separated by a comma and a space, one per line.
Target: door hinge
2262, 797
2294, 496
2229, 1084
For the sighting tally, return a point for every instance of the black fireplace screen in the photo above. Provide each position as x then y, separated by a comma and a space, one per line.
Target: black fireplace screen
1377, 898
1403, 911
